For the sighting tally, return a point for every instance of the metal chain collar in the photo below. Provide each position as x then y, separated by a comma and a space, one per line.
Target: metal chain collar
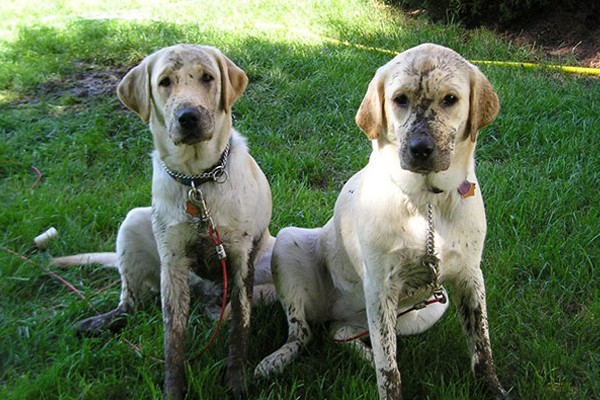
429, 244
430, 260
218, 173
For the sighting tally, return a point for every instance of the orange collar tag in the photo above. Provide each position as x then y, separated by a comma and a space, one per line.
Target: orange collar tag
467, 189
191, 209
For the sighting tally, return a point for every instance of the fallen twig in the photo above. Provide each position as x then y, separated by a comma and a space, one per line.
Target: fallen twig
46, 270
38, 179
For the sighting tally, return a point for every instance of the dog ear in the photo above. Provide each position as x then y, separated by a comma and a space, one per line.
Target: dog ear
233, 82
484, 106
134, 89
371, 113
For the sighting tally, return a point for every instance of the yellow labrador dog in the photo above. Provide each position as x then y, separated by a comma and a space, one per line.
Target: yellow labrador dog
210, 201
411, 220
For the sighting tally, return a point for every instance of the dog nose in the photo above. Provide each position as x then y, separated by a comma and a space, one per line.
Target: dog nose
189, 118
421, 147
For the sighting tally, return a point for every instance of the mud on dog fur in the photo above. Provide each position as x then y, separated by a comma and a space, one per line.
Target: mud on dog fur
185, 93
410, 221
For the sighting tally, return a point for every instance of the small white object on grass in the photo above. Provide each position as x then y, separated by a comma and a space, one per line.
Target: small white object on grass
44, 238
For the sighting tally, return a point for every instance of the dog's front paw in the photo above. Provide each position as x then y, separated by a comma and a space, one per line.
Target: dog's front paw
500, 394
235, 382
485, 373
174, 392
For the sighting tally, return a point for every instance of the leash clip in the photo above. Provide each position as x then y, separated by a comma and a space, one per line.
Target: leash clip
195, 205
439, 296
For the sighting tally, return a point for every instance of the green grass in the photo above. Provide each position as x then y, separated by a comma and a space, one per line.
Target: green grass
538, 165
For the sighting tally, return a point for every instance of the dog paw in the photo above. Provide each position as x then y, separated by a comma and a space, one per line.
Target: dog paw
502, 394
235, 383
96, 325
174, 393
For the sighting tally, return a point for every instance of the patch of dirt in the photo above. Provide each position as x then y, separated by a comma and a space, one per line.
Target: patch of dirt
561, 32
88, 82
95, 83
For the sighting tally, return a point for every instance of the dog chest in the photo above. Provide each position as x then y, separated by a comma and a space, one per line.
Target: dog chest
203, 256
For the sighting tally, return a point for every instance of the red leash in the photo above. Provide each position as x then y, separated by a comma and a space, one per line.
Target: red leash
216, 239
438, 297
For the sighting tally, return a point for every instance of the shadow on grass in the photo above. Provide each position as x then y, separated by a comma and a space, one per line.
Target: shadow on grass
298, 113
298, 93
59, 112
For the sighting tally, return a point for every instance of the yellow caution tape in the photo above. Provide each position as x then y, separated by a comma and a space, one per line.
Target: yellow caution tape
562, 68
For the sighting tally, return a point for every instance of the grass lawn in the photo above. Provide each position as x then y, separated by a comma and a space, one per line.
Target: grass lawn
309, 63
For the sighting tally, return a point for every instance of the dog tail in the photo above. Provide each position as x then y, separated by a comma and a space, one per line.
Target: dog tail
108, 260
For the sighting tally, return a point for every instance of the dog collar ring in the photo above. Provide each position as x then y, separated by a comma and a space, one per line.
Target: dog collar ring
220, 174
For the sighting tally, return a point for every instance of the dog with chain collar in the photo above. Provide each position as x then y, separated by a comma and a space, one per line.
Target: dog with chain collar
411, 220
186, 93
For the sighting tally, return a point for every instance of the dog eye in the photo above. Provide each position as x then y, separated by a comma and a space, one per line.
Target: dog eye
165, 82
207, 78
401, 101
449, 100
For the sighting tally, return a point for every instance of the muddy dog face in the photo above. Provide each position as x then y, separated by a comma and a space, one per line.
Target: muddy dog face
185, 92
427, 101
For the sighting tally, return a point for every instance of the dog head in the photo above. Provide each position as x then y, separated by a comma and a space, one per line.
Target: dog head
427, 101
185, 91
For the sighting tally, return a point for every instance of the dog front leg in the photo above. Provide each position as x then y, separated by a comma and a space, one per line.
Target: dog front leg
471, 306
381, 315
241, 307
175, 298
